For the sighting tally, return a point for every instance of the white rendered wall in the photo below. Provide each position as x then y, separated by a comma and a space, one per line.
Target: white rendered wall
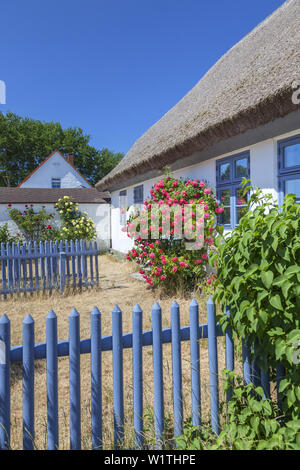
55, 167
100, 213
263, 173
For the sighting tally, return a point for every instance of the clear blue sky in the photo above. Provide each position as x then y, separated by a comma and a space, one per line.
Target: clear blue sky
114, 67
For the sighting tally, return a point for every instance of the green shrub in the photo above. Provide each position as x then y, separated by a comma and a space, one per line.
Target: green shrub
251, 422
258, 277
5, 236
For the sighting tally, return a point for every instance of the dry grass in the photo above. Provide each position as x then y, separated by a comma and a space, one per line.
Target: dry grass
117, 286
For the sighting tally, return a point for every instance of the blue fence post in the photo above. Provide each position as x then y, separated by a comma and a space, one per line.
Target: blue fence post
229, 353
96, 263
195, 363
96, 379
213, 366
91, 264
117, 345
62, 268
177, 370
158, 375
42, 265
137, 362
74, 364
18, 285
28, 383
4, 382
36, 264
3, 270
52, 380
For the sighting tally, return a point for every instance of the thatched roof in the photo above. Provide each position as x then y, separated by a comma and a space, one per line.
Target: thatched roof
249, 86
51, 195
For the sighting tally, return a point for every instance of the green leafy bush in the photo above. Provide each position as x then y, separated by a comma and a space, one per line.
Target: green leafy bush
5, 235
258, 277
251, 422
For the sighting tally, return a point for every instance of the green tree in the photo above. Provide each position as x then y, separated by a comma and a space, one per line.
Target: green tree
25, 143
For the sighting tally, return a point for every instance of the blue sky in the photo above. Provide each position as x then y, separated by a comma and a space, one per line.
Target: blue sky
114, 67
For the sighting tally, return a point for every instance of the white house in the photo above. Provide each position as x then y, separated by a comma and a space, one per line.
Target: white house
55, 171
241, 119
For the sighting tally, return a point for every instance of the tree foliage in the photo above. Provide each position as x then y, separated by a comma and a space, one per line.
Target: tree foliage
25, 143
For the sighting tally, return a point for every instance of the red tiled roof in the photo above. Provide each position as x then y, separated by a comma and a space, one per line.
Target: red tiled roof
51, 195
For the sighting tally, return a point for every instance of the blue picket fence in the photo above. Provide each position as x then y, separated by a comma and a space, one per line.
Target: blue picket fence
31, 267
96, 345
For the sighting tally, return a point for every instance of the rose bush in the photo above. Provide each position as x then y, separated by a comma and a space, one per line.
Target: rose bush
173, 234
33, 225
75, 225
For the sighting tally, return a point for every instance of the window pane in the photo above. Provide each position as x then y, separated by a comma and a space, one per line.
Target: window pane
225, 197
292, 155
138, 194
224, 217
241, 199
241, 168
293, 187
225, 172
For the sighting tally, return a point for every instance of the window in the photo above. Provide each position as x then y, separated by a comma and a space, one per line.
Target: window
230, 172
289, 167
123, 207
55, 182
138, 195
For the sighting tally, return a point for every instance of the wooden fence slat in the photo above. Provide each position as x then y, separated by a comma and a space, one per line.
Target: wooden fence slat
42, 265
3, 270
18, 276
96, 378
195, 363
4, 382
74, 362
28, 383
118, 394
52, 380
91, 265
137, 361
62, 267
36, 265
24, 267
96, 263
84, 262
9, 268
30, 267
78, 265
73, 263
158, 385
176, 370
213, 366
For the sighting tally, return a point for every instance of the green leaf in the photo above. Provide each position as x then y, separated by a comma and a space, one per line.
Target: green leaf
267, 278
276, 302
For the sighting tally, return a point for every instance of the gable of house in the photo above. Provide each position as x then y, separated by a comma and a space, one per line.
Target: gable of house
55, 172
